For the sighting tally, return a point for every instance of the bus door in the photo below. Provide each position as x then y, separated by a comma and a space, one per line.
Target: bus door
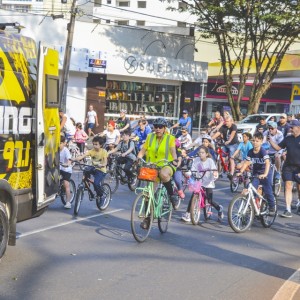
47, 126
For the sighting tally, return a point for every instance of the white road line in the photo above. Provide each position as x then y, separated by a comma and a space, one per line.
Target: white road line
288, 290
78, 219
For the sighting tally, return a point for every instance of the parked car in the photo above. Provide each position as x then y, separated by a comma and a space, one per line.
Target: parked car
249, 123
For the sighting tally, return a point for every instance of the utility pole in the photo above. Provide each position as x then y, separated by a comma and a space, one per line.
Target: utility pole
67, 58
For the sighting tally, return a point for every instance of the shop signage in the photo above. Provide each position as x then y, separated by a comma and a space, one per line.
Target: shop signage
97, 63
222, 90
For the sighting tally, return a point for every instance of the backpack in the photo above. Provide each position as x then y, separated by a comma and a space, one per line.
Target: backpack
129, 146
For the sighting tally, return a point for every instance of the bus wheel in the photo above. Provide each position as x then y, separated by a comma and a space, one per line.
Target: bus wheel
3, 229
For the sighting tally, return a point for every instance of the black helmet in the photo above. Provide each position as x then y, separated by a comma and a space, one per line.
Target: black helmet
160, 121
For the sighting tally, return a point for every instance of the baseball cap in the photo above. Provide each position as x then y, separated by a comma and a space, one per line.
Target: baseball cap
295, 123
272, 124
184, 128
283, 116
112, 123
184, 111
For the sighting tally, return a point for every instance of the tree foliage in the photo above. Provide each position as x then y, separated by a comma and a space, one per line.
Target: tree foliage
249, 33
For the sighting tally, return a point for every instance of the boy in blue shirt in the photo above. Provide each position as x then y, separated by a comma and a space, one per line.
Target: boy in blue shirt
260, 161
243, 148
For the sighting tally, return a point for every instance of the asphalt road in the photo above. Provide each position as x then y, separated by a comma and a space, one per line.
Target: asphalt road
95, 256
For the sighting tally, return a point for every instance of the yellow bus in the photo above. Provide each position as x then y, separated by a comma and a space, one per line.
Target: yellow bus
29, 131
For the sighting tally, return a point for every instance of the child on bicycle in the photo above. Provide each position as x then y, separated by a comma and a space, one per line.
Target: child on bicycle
262, 172
202, 163
65, 168
99, 161
80, 137
243, 149
178, 173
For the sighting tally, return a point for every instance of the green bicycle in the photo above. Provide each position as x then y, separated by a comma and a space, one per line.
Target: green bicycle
151, 203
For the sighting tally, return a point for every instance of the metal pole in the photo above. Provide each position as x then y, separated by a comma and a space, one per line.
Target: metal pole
201, 106
67, 58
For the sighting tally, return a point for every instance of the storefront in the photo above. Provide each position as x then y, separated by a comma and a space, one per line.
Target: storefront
276, 100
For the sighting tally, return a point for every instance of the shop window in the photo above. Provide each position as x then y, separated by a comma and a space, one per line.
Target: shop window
123, 22
142, 4
123, 3
140, 23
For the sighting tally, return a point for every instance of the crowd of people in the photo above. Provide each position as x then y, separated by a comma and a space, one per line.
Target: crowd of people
277, 141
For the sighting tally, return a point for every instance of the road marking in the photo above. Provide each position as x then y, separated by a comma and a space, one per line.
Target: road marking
226, 188
78, 219
288, 290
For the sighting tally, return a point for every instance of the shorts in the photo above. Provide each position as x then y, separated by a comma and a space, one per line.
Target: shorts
288, 172
65, 175
91, 125
231, 149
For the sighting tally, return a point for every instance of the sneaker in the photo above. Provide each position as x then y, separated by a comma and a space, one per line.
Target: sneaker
145, 224
272, 211
286, 214
133, 180
220, 213
174, 200
186, 217
229, 176
181, 194
68, 205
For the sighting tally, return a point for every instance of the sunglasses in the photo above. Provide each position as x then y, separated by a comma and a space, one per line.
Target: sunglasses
158, 126
271, 128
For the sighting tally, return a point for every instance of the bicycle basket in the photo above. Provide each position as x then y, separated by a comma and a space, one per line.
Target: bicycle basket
147, 174
194, 186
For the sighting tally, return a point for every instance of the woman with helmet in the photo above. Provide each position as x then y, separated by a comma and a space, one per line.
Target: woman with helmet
207, 142
160, 145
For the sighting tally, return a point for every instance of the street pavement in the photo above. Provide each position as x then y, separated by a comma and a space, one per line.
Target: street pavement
94, 256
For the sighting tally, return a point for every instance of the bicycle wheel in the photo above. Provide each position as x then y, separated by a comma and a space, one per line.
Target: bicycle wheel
234, 184
141, 218
78, 200
72, 191
112, 180
165, 211
207, 211
266, 219
277, 188
240, 217
103, 202
195, 210
4, 229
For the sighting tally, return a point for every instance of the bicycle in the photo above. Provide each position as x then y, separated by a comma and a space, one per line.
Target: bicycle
62, 192
116, 175
276, 181
241, 179
85, 185
199, 200
242, 209
151, 203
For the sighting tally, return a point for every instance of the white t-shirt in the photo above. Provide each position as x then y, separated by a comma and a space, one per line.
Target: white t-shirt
91, 114
69, 128
208, 179
64, 157
186, 137
111, 137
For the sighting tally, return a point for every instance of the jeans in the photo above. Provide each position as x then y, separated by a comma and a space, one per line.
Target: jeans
98, 178
267, 187
178, 179
128, 165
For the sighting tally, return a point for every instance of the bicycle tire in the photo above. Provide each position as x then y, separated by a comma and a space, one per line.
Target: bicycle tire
277, 188
165, 212
107, 193
138, 214
234, 185
72, 191
239, 221
195, 209
78, 200
265, 219
4, 229
112, 180
207, 211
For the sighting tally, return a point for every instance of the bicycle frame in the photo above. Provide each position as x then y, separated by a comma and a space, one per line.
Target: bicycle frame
252, 193
220, 158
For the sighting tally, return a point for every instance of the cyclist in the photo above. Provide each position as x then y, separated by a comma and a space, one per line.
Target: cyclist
216, 121
66, 126
185, 138
229, 134
283, 125
207, 142
80, 137
123, 122
127, 149
260, 160
178, 172
262, 126
141, 132
185, 121
65, 168
161, 145
291, 166
243, 148
202, 163
276, 136
99, 161
112, 135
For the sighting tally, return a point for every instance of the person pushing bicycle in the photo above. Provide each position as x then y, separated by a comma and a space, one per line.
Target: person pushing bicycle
158, 146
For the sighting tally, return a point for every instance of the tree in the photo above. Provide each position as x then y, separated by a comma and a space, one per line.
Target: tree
249, 34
